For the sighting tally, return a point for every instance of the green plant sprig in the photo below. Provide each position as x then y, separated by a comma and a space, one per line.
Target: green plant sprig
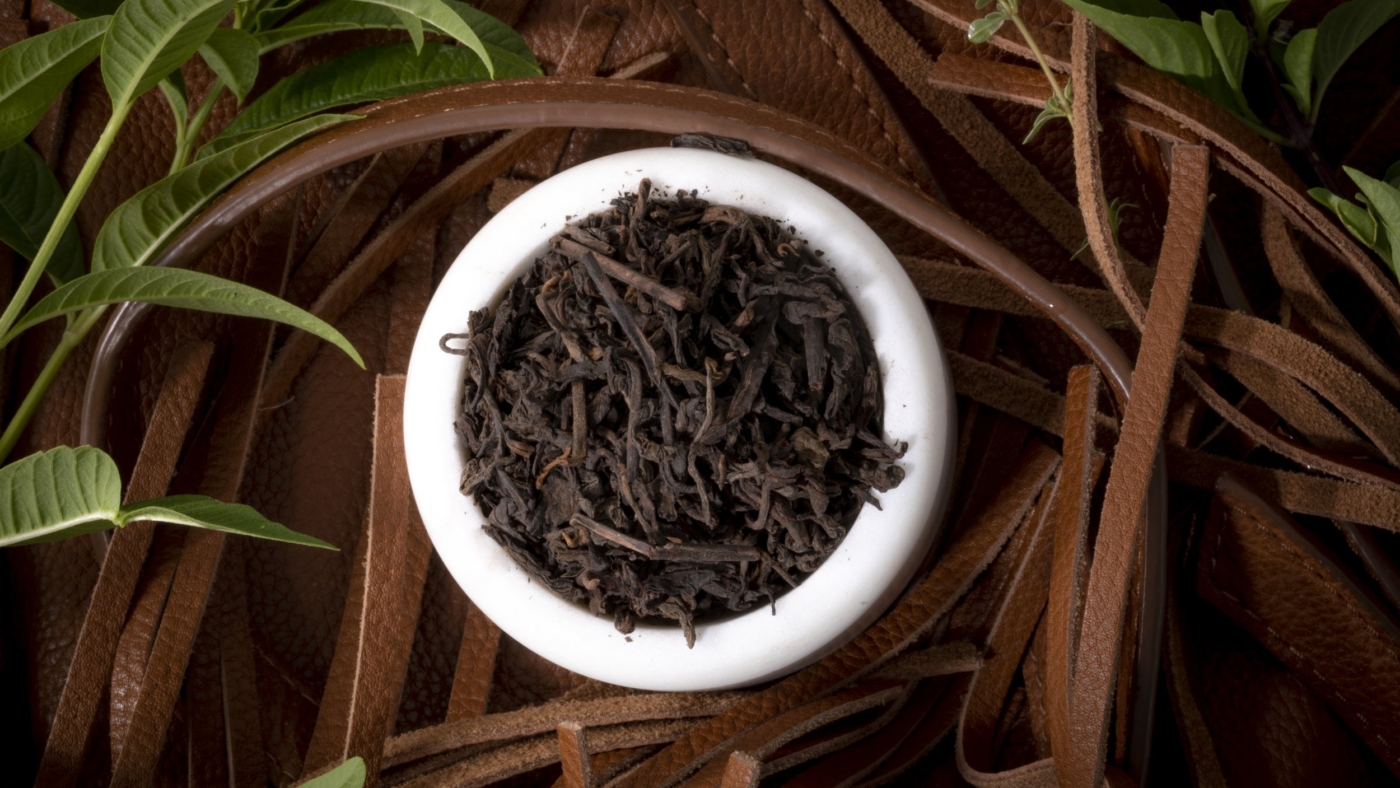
1061, 101
141, 45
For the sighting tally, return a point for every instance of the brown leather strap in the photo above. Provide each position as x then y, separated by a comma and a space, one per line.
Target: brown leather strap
573, 756
97, 642
1096, 662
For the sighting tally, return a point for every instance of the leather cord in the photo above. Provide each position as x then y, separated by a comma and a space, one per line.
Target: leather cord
599, 103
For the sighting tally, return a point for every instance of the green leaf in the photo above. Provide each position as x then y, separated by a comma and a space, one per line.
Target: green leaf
173, 88
89, 9
1343, 30
177, 287
442, 17
34, 71
1051, 111
413, 25
365, 75
233, 56
29, 202
1179, 49
201, 511
1265, 12
981, 4
149, 39
1354, 217
268, 13
140, 227
56, 494
1392, 175
350, 774
1298, 64
1383, 198
983, 29
1230, 43
509, 51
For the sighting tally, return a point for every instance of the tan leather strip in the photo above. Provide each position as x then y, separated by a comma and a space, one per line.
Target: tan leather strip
476, 665
539, 719
243, 712
854, 762
950, 283
573, 756
1088, 172
931, 730
1306, 295
357, 710
742, 770
206, 764
1096, 662
539, 751
1078, 476
990, 79
1277, 582
1196, 738
1298, 405
91, 667
1007, 392
912, 617
1012, 627
231, 437
994, 153
944, 659
764, 740
134, 644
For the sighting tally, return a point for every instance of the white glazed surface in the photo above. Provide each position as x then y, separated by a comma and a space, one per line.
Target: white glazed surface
855, 584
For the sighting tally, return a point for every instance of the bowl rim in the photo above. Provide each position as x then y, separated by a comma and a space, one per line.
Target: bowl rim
854, 585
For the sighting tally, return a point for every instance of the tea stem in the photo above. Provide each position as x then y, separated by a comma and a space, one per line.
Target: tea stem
1014, 12
185, 146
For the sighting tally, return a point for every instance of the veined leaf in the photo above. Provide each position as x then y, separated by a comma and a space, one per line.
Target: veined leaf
981, 30
201, 511
413, 25
1359, 222
509, 52
137, 230
173, 88
365, 75
29, 202
1342, 31
267, 13
1298, 64
1230, 43
56, 494
176, 287
233, 56
1265, 12
149, 39
1179, 49
441, 16
35, 70
1384, 199
350, 774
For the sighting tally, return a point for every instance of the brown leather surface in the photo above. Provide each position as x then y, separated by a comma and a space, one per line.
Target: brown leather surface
888, 104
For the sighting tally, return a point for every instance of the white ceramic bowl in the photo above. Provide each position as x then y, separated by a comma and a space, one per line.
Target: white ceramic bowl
858, 581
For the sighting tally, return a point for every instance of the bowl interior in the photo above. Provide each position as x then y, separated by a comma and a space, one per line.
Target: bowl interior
855, 584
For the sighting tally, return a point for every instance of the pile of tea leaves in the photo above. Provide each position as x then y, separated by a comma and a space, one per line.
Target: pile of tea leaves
674, 414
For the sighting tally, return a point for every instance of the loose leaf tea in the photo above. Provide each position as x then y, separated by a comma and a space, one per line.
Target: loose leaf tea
674, 414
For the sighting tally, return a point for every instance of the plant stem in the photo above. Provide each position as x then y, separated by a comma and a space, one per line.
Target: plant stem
1055, 89
72, 337
184, 147
60, 222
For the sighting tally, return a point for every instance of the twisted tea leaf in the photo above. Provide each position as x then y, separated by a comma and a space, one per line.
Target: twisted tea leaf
35, 70
178, 288
149, 39
137, 230
366, 75
29, 202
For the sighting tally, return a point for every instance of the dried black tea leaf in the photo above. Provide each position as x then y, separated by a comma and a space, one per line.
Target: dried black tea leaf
674, 414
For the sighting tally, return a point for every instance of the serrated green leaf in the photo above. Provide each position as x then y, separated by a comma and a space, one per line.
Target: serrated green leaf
181, 288
1298, 64
350, 774
138, 228
1230, 42
1342, 31
1179, 49
29, 202
34, 71
148, 39
56, 494
201, 511
442, 17
983, 29
365, 75
233, 56
1265, 12
1384, 199
509, 51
